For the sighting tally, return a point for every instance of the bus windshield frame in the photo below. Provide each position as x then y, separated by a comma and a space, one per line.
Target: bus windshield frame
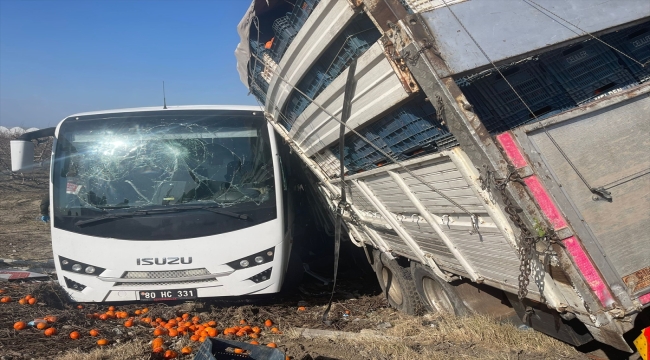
163, 175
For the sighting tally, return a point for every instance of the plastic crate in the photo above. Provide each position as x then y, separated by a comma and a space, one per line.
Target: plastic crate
499, 107
409, 128
587, 69
634, 42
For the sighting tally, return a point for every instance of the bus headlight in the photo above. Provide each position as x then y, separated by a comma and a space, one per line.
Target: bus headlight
259, 258
79, 267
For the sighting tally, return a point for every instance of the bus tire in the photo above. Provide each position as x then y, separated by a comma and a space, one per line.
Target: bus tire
396, 284
436, 294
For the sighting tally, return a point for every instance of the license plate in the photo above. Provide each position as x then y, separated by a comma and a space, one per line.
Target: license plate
165, 295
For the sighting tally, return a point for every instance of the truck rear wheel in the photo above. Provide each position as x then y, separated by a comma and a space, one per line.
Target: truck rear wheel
397, 284
436, 294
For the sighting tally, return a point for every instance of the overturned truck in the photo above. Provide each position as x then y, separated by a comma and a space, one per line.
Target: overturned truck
482, 158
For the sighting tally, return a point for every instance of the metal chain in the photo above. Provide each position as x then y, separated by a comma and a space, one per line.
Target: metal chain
527, 239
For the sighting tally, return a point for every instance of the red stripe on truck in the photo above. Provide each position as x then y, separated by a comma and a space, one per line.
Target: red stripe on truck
644, 299
583, 262
545, 202
512, 150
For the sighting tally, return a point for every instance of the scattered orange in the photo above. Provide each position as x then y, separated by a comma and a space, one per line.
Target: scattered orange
93, 332
159, 331
347, 312
271, 345
212, 332
253, 336
186, 350
242, 322
41, 325
196, 319
111, 314
49, 332
19, 325
145, 310
185, 317
173, 332
256, 329
301, 308
32, 301
203, 333
268, 323
178, 318
212, 323
238, 351
146, 319
80, 306
22, 301
111, 308
254, 342
172, 321
103, 317
170, 354
194, 338
28, 297
2, 291
157, 344
128, 323
138, 312
5, 299
276, 331
75, 335
50, 318
102, 342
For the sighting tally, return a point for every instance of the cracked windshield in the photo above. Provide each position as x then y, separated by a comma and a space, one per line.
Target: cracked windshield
128, 168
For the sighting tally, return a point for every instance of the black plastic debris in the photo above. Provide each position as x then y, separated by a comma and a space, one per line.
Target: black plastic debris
220, 349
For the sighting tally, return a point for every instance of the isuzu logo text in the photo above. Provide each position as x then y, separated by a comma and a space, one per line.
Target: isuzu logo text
164, 261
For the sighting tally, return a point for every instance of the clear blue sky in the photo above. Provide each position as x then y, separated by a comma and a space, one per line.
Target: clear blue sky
67, 56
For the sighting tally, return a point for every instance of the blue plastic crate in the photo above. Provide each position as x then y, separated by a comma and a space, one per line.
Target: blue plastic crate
587, 69
634, 42
501, 109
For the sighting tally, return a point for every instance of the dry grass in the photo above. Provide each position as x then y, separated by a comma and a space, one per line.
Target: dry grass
130, 350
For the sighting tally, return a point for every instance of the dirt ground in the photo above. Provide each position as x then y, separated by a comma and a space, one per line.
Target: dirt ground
363, 326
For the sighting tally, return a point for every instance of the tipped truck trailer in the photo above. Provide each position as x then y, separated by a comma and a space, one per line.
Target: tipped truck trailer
154, 204
494, 153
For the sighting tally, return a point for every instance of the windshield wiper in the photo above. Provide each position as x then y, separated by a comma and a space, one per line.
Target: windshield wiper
172, 209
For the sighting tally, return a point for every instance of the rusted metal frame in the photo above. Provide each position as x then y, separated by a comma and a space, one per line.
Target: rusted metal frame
385, 12
403, 233
473, 275
472, 136
568, 208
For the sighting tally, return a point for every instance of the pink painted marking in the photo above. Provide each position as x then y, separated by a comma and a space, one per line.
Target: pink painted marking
512, 150
588, 270
545, 202
644, 299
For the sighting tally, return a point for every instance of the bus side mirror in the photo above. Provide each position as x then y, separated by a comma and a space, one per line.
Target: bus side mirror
22, 155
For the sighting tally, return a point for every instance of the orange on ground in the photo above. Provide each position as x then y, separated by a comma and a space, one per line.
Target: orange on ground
19, 325
111, 308
268, 323
172, 321
102, 342
146, 319
196, 319
185, 316
41, 325
5, 299
203, 333
138, 312
28, 297
173, 332
22, 302
179, 319
145, 310
49, 332
111, 314
301, 308
239, 351
242, 322
202, 338
254, 342
159, 331
80, 306
186, 350
256, 329
170, 354
271, 345
93, 332
50, 318
157, 344
103, 317
212, 323
128, 323
75, 335
253, 336
212, 332
276, 331
194, 338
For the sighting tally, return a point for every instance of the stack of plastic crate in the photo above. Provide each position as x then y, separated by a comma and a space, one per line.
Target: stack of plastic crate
301, 11
501, 109
635, 43
359, 155
258, 84
587, 69
285, 32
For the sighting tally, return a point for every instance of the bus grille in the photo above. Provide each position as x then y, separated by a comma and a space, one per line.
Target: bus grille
163, 283
165, 274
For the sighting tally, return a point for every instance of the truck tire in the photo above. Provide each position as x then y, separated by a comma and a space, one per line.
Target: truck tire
396, 284
436, 294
